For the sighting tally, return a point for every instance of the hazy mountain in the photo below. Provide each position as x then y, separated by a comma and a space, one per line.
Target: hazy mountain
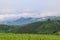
27, 20
23, 20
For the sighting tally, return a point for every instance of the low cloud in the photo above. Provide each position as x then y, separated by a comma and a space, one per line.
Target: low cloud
33, 15
7, 10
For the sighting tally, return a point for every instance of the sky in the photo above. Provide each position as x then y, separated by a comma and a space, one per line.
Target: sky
10, 9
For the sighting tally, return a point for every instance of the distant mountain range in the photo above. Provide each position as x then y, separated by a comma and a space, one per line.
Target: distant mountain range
23, 20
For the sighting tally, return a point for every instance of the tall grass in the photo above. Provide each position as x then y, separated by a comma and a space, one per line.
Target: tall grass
10, 36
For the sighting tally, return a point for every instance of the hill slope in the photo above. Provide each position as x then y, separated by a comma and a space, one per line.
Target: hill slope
45, 27
48, 27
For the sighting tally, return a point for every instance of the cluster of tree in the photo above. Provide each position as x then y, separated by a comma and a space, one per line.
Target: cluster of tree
44, 27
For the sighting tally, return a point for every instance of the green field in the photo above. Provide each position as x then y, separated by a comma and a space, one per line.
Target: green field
10, 36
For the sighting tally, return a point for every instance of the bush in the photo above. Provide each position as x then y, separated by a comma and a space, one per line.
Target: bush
57, 33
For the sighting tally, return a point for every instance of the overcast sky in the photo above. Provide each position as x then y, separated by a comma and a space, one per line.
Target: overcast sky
27, 8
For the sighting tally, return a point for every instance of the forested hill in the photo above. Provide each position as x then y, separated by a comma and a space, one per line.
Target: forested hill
44, 27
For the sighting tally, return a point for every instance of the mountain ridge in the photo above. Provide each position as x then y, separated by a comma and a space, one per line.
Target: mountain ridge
23, 20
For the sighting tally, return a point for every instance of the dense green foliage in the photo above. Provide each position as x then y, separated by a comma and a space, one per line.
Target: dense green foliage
10, 36
44, 27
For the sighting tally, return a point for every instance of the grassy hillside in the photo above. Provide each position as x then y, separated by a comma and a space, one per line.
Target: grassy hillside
44, 27
47, 27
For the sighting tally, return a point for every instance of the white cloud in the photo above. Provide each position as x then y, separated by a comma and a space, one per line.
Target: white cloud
4, 17
6, 10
